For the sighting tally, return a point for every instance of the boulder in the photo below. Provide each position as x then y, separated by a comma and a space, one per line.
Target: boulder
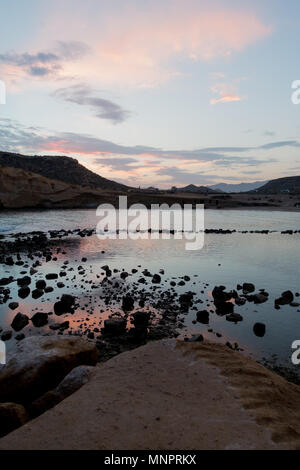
13, 305
234, 318
40, 319
24, 281
19, 322
259, 329
114, 326
39, 364
12, 416
65, 305
286, 298
203, 317
70, 384
248, 288
24, 292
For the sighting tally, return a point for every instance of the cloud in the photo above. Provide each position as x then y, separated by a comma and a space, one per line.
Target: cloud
83, 95
225, 99
45, 63
15, 137
226, 92
141, 44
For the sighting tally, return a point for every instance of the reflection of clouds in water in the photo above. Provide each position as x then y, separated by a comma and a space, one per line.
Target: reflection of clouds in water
2, 353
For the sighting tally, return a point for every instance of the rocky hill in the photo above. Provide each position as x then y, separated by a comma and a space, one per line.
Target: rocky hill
289, 184
21, 189
59, 168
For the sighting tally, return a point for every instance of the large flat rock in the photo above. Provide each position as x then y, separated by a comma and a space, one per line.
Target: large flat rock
169, 395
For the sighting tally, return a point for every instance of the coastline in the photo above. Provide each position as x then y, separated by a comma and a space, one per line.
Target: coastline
199, 396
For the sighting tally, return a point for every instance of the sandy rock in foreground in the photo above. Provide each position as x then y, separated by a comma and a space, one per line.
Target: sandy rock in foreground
39, 364
170, 395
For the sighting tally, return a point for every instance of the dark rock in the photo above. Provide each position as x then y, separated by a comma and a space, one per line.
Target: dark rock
285, 299
41, 285
24, 292
37, 293
13, 305
156, 279
203, 317
234, 318
12, 416
24, 282
6, 335
128, 303
19, 322
259, 329
114, 326
51, 276
248, 288
40, 319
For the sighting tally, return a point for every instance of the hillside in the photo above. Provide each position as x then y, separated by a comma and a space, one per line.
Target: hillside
238, 188
59, 168
21, 189
289, 184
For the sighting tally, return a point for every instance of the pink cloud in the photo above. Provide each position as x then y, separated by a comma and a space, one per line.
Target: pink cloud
137, 45
225, 99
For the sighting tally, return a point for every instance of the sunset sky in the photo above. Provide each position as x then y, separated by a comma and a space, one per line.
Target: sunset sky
154, 92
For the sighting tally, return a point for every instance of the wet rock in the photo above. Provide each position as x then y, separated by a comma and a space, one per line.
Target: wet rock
260, 298
24, 281
65, 305
6, 280
24, 292
6, 335
40, 319
13, 305
114, 326
37, 293
203, 317
234, 318
40, 363
40, 285
259, 329
285, 299
141, 319
19, 322
12, 416
248, 288
128, 303
60, 326
156, 279
51, 276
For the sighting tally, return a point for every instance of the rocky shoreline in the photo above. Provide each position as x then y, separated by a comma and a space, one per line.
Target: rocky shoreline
133, 308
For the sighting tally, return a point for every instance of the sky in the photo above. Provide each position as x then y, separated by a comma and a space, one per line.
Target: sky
154, 92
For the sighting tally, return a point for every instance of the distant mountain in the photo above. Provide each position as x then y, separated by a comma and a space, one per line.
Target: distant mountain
290, 184
238, 188
191, 188
59, 168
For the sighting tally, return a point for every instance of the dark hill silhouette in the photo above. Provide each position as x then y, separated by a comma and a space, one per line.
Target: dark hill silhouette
59, 168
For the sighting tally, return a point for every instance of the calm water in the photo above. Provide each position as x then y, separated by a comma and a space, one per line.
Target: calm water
269, 261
